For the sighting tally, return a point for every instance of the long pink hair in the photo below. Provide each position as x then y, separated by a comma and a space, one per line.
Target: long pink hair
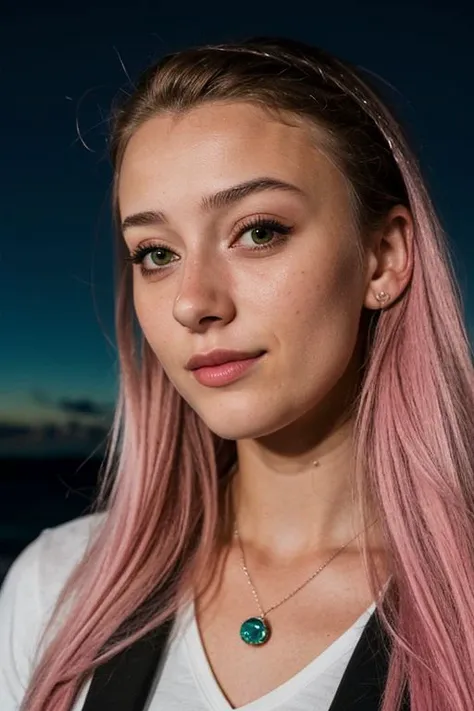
164, 476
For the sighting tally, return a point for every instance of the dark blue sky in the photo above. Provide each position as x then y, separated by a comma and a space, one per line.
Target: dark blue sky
60, 69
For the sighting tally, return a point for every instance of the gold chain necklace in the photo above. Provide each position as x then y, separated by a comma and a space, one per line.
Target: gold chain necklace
256, 630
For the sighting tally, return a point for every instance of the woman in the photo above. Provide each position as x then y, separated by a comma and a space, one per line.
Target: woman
285, 519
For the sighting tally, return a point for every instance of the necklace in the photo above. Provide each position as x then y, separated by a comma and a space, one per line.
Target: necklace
256, 630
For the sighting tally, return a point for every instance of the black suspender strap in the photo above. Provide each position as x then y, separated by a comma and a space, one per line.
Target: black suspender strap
363, 683
124, 682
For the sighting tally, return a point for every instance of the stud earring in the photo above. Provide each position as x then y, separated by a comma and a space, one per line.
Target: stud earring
316, 463
382, 297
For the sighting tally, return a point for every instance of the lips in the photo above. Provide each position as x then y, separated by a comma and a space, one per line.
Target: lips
218, 357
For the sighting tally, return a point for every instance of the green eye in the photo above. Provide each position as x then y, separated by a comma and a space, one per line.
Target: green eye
161, 257
261, 234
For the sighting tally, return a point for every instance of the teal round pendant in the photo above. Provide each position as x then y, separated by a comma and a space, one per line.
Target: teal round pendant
255, 631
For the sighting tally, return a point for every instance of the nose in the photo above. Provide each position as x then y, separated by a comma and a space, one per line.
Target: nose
204, 296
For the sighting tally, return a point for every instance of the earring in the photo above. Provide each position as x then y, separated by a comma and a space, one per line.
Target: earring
382, 297
316, 463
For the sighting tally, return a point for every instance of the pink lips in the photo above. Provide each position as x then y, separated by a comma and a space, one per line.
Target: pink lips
221, 367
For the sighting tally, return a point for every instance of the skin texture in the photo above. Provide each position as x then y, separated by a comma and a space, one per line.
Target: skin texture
301, 302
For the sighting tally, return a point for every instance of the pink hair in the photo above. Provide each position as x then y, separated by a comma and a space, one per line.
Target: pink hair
165, 472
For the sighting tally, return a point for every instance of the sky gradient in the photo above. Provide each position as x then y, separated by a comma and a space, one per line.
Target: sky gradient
61, 69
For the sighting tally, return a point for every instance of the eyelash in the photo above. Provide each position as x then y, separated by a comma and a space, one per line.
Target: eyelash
283, 231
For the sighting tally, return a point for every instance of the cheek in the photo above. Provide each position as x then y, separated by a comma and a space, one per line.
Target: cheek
160, 331
153, 320
322, 309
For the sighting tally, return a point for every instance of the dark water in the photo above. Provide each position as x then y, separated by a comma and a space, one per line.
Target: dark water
40, 493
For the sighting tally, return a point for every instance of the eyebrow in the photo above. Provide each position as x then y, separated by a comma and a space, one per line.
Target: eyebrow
218, 200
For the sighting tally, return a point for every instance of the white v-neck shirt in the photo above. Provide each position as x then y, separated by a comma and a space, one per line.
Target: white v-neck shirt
184, 681
187, 682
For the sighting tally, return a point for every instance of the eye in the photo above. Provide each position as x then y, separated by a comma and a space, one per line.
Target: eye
262, 232
161, 257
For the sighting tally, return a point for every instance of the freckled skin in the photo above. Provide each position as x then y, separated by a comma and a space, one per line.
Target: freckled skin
301, 302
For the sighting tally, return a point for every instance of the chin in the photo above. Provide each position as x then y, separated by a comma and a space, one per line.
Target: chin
242, 415
236, 431
246, 423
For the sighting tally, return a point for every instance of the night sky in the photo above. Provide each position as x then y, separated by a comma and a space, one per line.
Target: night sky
61, 68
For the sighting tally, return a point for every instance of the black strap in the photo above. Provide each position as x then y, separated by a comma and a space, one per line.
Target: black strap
124, 682
363, 683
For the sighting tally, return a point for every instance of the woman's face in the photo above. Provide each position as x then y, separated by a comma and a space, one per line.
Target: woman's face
292, 288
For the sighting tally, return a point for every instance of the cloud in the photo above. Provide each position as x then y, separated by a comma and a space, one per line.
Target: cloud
76, 406
83, 407
50, 439
50, 430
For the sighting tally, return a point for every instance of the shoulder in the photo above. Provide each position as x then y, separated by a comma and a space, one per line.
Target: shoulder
46, 563
29, 593
57, 550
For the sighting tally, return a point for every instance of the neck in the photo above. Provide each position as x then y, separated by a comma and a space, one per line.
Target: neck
286, 508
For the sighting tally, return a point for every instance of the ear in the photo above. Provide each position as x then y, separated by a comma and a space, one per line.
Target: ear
390, 258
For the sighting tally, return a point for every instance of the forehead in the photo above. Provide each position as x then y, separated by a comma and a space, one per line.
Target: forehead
216, 144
